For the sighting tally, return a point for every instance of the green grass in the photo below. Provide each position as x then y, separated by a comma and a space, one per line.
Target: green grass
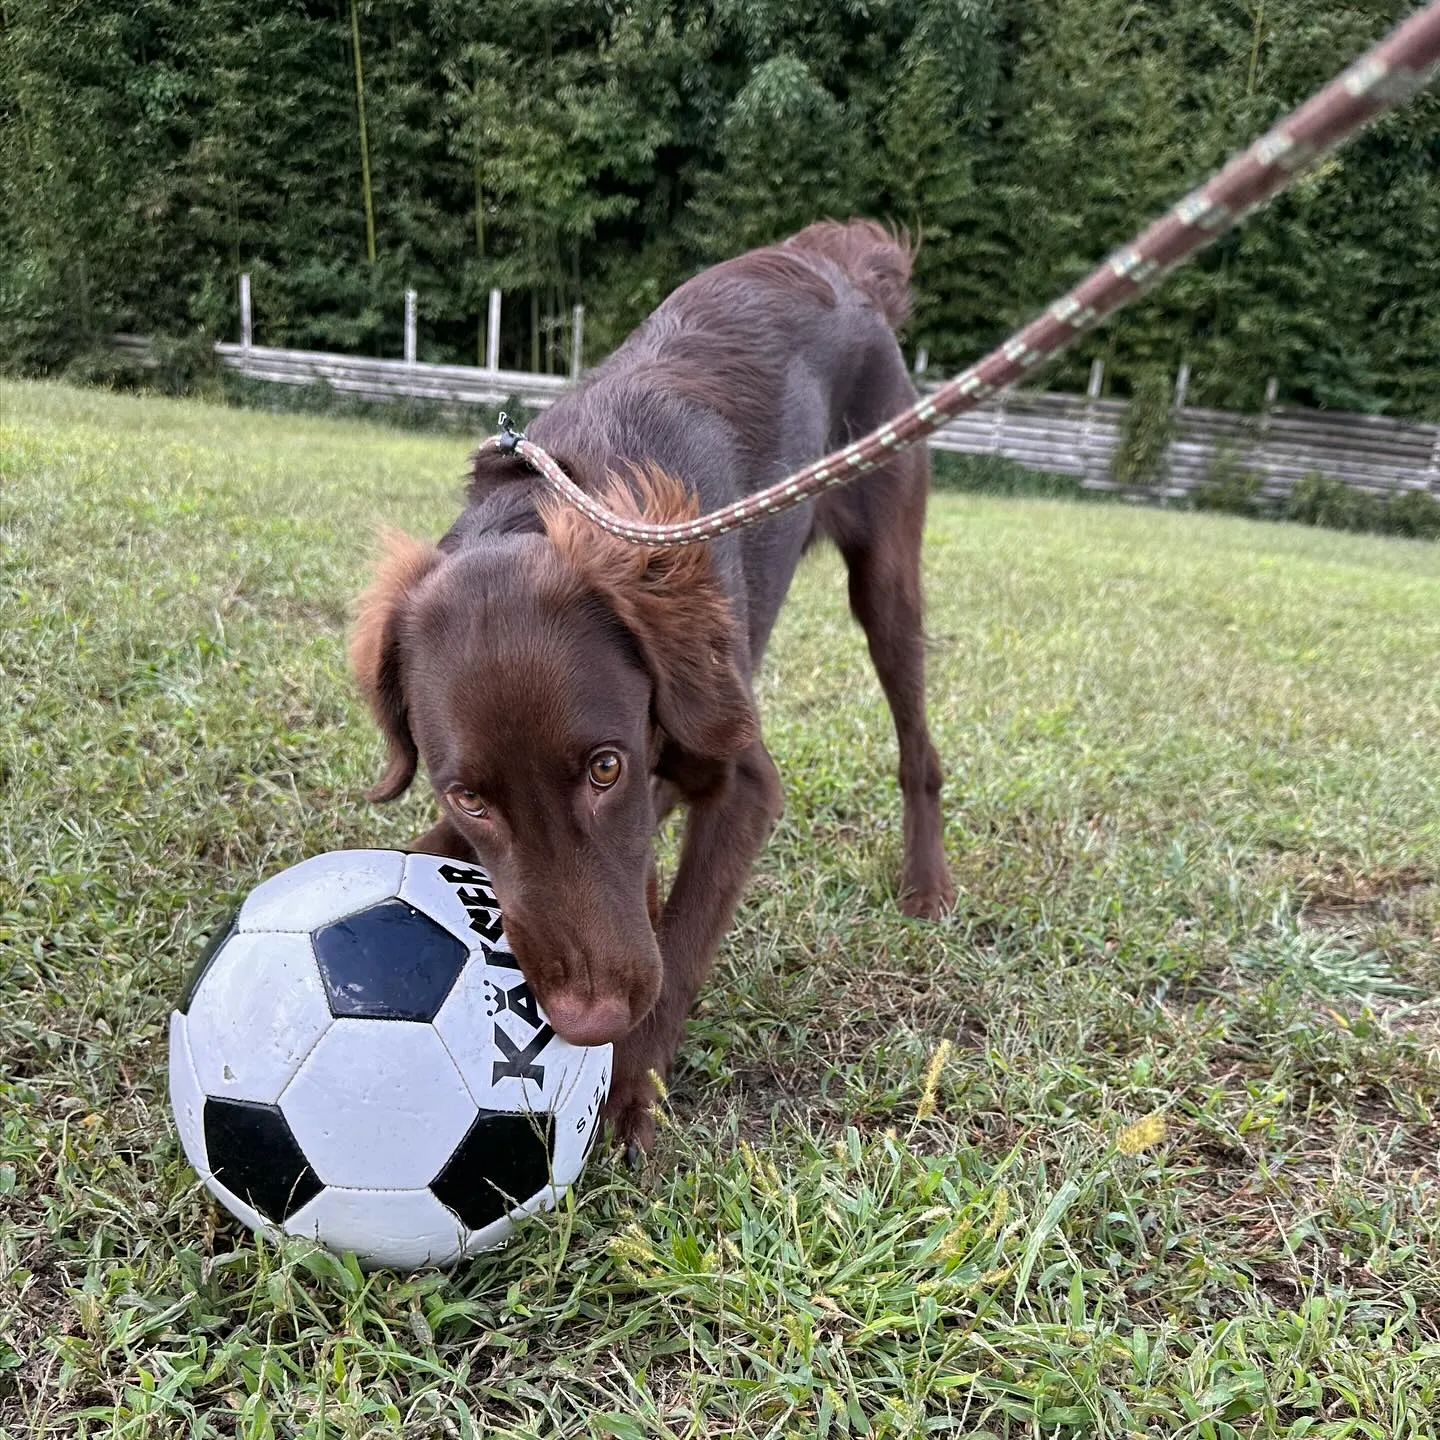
1194, 810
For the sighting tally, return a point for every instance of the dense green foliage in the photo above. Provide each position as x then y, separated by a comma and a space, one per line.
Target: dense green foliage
341, 150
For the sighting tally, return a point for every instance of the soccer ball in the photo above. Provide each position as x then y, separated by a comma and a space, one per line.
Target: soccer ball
357, 1059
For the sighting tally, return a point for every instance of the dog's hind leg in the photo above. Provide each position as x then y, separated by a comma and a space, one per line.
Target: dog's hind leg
879, 528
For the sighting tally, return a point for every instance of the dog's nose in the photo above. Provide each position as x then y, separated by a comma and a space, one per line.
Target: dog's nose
583, 1020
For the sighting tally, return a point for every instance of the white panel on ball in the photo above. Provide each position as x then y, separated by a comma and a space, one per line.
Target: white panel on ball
465, 1023
256, 1015
514, 1082
577, 1120
493, 1237
322, 889
400, 1229
378, 1104
187, 1099
455, 901
531, 1068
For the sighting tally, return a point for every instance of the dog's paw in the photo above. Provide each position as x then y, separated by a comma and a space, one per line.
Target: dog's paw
630, 1121
930, 902
637, 1082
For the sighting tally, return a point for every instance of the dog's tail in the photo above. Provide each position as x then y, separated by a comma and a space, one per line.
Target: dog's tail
876, 260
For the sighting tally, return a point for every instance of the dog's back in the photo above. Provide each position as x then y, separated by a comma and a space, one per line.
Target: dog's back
738, 336
769, 344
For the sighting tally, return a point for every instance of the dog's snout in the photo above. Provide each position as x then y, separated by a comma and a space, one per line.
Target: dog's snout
588, 1020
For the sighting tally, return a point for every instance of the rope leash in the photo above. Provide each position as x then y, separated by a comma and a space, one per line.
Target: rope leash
1389, 74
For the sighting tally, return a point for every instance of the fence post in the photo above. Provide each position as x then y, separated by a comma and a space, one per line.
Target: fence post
1182, 384
245, 329
410, 327
1255, 459
997, 430
492, 333
577, 340
1092, 394
1177, 418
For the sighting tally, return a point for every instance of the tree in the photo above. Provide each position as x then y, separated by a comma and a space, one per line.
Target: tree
567, 150
789, 152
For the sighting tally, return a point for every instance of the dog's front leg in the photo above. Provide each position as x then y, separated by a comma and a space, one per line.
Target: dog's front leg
723, 834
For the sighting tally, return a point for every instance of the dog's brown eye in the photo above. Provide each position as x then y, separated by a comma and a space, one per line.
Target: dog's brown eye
604, 769
469, 802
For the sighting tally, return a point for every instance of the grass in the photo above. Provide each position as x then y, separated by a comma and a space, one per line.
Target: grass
1142, 1142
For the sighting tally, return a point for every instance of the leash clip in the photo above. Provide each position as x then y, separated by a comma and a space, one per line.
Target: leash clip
509, 437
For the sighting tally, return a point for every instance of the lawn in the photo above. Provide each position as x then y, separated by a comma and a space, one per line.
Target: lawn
1142, 1141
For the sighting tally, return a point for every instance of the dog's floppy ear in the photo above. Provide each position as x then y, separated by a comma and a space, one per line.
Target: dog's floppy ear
671, 600
375, 657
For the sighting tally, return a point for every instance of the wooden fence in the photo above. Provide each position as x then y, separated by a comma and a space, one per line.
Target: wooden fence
1065, 434
1077, 435
371, 379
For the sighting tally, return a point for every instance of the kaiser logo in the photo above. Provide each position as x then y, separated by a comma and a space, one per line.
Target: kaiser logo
518, 1062
472, 890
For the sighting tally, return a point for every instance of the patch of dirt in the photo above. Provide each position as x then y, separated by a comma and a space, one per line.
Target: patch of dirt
47, 1315
1376, 1151
765, 1097
1287, 1280
1342, 899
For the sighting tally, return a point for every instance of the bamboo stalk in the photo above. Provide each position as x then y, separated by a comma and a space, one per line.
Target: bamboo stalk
364, 136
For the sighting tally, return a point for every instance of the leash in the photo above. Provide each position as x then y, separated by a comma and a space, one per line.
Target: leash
1390, 73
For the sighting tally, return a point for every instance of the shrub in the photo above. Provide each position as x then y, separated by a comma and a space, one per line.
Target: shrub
1317, 499
994, 475
184, 366
107, 367
1145, 436
1230, 487
1415, 513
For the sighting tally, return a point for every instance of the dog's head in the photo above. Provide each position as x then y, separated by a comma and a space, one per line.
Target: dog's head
538, 678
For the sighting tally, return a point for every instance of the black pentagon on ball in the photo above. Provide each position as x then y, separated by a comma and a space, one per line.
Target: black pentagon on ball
503, 1160
213, 946
253, 1155
389, 962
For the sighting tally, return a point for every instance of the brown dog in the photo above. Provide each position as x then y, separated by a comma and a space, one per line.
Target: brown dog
564, 689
